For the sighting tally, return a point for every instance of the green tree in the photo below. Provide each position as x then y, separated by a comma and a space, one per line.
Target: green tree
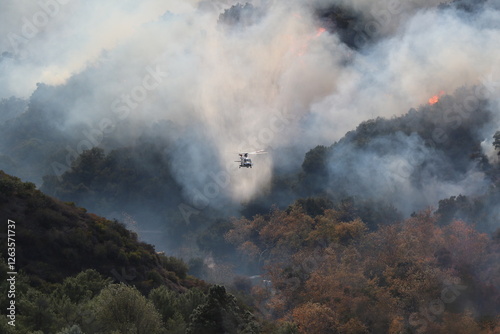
122, 308
87, 165
5, 327
221, 314
75, 329
287, 328
176, 308
165, 302
83, 286
315, 161
176, 324
178, 266
36, 312
189, 301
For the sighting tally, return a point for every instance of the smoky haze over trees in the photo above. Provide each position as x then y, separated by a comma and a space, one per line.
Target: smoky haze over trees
197, 96
380, 119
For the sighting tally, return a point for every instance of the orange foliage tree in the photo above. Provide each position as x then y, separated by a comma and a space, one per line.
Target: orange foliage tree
330, 274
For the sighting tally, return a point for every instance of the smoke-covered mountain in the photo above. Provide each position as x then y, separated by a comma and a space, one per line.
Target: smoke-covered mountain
414, 160
369, 112
191, 84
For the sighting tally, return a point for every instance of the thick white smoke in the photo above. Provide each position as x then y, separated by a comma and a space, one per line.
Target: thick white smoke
275, 78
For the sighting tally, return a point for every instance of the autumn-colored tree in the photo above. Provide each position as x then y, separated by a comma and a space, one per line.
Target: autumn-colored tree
453, 323
315, 318
286, 231
467, 246
403, 277
353, 326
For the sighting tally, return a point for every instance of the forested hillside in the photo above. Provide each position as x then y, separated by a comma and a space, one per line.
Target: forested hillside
331, 274
324, 270
59, 239
406, 163
373, 205
81, 273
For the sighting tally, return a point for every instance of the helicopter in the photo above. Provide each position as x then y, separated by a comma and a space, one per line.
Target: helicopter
245, 161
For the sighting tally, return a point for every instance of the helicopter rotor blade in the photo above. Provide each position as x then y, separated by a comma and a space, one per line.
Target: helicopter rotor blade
257, 152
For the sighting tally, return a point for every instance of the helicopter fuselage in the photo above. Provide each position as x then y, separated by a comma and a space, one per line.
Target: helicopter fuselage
245, 162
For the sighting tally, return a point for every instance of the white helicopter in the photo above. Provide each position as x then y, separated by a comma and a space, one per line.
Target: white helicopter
245, 161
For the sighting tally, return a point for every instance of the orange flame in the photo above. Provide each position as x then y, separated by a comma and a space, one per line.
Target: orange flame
435, 98
302, 48
320, 31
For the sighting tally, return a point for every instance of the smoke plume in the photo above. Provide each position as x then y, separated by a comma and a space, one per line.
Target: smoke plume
233, 77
